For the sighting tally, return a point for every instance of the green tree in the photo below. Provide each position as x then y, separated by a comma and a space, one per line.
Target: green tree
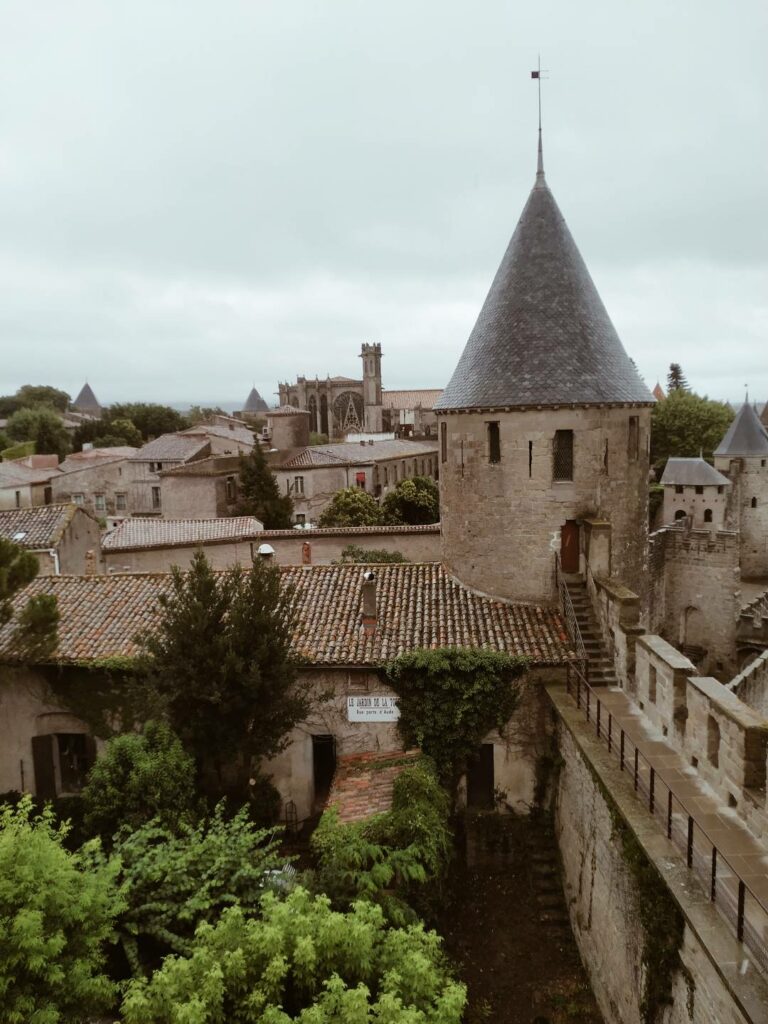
351, 507
316, 438
30, 395
43, 426
203, 414
149, 418
676, 379
259, 494
121, 432
173, 880
450, 698
37, 620
57, 911
686, 424
414, 502
218, 663
302, 961
353, 553
139, 777
17, 568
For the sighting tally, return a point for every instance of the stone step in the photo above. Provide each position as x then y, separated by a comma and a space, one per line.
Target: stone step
550, 902
555, 917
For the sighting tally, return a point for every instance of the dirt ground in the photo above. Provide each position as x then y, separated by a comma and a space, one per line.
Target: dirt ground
506, 927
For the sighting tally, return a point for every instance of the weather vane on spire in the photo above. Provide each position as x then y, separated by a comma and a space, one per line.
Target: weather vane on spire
538, 74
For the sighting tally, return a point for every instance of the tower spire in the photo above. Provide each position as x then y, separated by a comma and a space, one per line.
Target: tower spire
540, 160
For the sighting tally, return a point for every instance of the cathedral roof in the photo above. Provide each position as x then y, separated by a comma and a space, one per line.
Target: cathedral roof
255, 403
543, 336
86, 401
745, 437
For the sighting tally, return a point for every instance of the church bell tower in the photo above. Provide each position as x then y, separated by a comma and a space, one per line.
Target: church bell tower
371, 356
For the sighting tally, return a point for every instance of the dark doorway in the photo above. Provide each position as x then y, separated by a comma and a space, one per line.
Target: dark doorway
323, 766
569, 546
480, 779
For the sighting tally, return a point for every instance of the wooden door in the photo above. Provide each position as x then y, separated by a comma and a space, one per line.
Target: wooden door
569, 546
480, 779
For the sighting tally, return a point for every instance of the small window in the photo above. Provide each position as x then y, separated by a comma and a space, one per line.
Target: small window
680, 514
359, 480
720, 489
74, 761
120, 503
301, 518
605, 457
652, 679
633, 438
699, 489
494, 442
48, 495
707, 515
562, 455
530, 458
385, 475
753, 503
99, 503
78, 499
443, 442
17, 497
155, 497
713, 741
679, 489
298, 484
762, 462
231, 489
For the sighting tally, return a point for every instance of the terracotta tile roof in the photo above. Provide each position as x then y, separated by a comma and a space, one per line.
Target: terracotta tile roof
363, 783
425, 398
241, 434
15, 473
419, 605
349, 453
96, 456
171, 447
39, 527
352, 532
140, 533
211, 465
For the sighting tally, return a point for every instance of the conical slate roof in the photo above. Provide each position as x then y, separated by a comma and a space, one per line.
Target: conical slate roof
255, 403
746, 437
86, 401
543, 336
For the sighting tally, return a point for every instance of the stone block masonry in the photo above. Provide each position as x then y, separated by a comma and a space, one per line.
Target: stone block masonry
653, 945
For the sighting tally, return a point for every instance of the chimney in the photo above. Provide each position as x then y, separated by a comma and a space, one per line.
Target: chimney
266, 551
368, 616
306, 553
90, 562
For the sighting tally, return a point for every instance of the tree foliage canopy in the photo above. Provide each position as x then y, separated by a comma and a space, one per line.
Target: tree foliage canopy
42, 425
450, 698
140, 776
414, 502
37, 621
218, 663
684, 425
353, 553
56, 912
30, 395
175, 879
351, 506
259, 494
302, 961
676, 380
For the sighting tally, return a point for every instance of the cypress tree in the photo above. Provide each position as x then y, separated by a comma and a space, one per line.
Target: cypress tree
676, 380
260, 495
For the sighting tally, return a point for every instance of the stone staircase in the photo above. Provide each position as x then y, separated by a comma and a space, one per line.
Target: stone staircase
601, 671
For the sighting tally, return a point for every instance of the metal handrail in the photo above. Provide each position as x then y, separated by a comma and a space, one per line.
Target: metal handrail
733, 905
581, 667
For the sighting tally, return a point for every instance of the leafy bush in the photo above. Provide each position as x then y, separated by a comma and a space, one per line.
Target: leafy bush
450, 698
175, 881
353, 553
351, 506
685, 424
41, 425
56, 912
409, 844
302, 961
140, 776
415, 502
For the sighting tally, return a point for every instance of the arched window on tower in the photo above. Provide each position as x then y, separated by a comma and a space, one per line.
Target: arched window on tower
680, 514
562, 455
707, 515
754, 503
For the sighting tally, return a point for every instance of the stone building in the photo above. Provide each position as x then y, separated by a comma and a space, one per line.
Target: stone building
694, 490
86, 403
544, 423
254, 405
312, 475
156, 545
165, 452
27, 482
204, 488
63, 538
97, 480
742, 456
338, 406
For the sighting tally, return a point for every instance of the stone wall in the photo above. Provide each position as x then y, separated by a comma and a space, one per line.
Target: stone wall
751, 685
198, 497
81, 536
722, 738
748, 511
694, 595
602, 838
105, 478
502, 520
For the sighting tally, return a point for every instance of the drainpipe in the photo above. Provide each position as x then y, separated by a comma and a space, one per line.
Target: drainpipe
55, 556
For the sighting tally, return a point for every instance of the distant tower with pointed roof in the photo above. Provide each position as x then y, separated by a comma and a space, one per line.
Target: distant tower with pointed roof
87, 403
743, 456
544, 426
254, 404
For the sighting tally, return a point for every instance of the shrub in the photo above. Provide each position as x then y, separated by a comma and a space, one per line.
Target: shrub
414, 502
353, 553
140, 776
351, 506
175, 881
302, 961
56, 912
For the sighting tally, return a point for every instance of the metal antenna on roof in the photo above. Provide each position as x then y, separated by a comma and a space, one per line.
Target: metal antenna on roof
538, 74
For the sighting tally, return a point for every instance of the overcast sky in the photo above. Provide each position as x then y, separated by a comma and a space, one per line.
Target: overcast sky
197, 196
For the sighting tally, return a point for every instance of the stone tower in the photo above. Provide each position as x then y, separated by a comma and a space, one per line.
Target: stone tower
544, 426
87, 403
371, 356
743, 456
